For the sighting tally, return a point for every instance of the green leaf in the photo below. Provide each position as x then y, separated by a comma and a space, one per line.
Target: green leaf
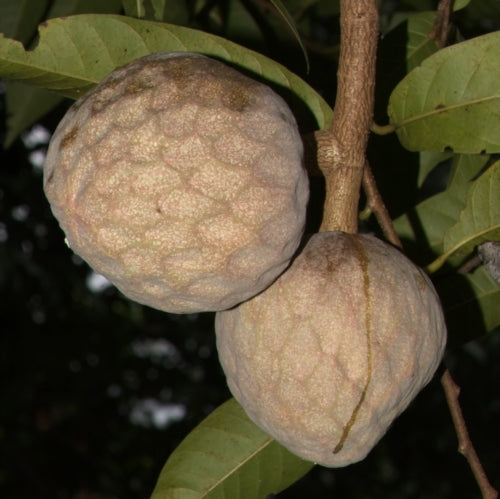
419, 46
148, 9
76, 52
59, 8
134, 8
158, 9
404, 46
428, 160
470, 303
460, 4
25, 106
479, 220
452, 100
479, 11
19, 19
228, 456
241, 25
290, 21
430, 219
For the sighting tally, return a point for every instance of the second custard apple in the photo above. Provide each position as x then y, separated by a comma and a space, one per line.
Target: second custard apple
181, 180
336, 348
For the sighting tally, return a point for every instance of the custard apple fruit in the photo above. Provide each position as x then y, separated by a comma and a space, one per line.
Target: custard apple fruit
181, 180
337, 347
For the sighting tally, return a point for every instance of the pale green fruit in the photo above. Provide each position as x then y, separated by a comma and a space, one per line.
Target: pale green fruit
337, 347
180, 180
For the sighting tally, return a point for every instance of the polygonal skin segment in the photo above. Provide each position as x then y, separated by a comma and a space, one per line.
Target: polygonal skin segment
180, 180
337, 347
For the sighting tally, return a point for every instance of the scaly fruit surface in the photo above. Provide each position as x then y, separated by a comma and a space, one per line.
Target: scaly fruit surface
337, 347
181, 181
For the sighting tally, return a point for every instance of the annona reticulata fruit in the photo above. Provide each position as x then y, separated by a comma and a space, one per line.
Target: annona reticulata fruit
180, 180
328, 355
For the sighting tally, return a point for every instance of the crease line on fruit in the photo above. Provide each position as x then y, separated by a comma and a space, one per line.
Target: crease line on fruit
363, 261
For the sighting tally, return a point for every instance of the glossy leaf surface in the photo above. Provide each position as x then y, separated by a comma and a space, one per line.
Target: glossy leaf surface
479, 220
75, 53
452, 100
431, 218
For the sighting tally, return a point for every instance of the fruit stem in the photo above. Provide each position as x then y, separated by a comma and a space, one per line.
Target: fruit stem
342, 148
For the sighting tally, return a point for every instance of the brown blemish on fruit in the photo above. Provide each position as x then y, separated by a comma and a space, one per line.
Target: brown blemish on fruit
180, 72
237, 98
214, 82
134, 87
422, 285
68, 138
322, 259
97, 107
363, 262
100, 99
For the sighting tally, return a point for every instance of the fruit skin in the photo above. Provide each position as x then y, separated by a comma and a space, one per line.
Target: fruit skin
180, 180
326, 357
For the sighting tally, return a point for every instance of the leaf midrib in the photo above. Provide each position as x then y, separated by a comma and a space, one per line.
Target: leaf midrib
221, 480
442, 110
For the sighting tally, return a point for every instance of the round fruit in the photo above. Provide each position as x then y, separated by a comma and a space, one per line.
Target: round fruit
181, 181
327, 356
